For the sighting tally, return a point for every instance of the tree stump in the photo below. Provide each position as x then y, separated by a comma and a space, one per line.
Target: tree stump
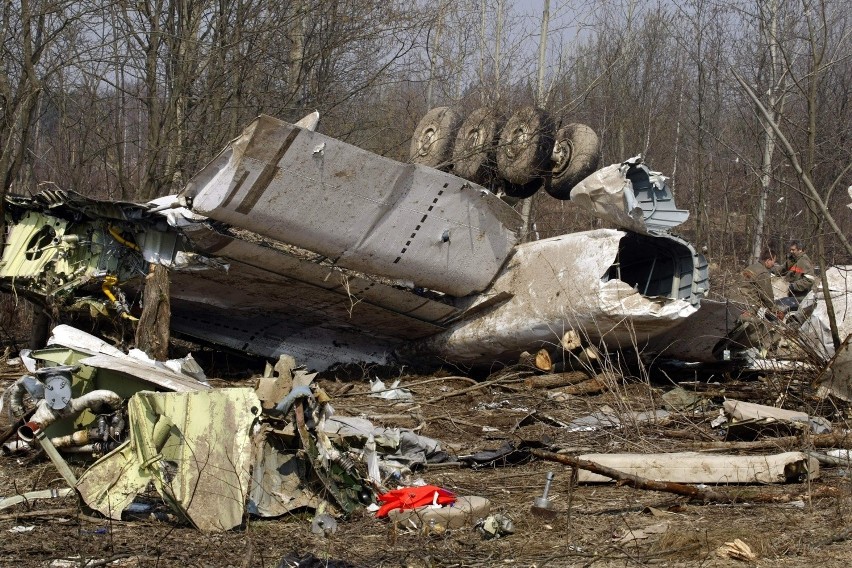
152, 331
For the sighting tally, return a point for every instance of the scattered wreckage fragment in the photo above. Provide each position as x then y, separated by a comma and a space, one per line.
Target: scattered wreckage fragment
214, 455
80, 389
193, 446
204, 450
400, 261
695, 467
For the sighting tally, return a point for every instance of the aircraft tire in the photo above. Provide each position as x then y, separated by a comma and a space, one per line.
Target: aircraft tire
474, 150
522, 191
433, 139
526, 143
576, 155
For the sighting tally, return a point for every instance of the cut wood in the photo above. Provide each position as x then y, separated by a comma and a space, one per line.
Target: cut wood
571, 340
543, 361
556, 380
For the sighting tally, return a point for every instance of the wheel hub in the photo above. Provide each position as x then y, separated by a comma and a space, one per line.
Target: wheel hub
426, 140
561, 157
518, 140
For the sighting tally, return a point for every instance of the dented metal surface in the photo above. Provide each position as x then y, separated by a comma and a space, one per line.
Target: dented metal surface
585, 282
194, 447
408, 222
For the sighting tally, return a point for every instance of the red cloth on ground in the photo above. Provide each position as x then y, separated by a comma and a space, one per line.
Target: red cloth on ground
413, 497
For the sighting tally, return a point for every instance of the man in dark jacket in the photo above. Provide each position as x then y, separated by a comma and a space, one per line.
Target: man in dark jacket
756, 284
798, 271
755, 288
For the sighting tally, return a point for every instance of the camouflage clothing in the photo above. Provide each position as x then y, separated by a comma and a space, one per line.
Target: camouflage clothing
799, 274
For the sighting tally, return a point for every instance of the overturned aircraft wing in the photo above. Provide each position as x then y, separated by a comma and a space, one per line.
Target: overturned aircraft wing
406, 222
294, 242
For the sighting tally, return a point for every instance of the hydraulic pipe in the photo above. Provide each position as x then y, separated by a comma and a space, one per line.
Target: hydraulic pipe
44, 415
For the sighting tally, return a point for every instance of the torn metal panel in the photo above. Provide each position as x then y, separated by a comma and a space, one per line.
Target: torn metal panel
67, 336
694, 467
408, 222
276, 485
129, 368
746, 411
423, 241
195, 447
836, 378
609, 285
630, 196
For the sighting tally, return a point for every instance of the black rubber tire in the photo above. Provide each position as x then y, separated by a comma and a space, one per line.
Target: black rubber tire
576, 156
526, 143
433, 139
522, 191
474, 151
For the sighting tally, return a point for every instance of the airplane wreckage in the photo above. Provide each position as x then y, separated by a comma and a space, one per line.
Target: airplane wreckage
295, 246
291, 241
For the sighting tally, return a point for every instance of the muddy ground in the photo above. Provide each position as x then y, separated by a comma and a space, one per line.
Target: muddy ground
807, 525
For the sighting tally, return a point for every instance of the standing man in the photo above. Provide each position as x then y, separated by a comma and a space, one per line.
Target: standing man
798, 271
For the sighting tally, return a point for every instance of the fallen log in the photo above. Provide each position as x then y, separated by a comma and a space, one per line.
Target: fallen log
691, 491
596, 384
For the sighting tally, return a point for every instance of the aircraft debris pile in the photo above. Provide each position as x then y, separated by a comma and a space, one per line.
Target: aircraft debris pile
204, 450
401, 263
215, 455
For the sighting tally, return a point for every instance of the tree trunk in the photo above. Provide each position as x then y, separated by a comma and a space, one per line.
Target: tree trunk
152, 331
41, 328
541, 92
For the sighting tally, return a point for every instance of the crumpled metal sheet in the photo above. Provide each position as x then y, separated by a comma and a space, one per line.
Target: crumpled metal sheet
195, 447
406, 222
610, 195
400, 445
276, 486
558, 285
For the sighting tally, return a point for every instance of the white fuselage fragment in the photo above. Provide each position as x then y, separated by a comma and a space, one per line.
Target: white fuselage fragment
558, 285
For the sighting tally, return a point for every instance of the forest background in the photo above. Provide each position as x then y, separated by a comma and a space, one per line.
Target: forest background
126, 100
